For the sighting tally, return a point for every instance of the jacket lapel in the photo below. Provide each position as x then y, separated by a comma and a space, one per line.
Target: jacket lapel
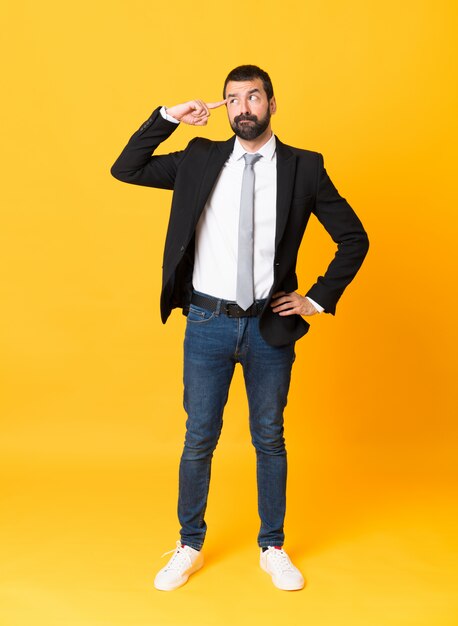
216, 158
286, 171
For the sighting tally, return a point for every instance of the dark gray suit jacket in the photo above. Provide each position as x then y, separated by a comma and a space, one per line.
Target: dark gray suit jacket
303, 187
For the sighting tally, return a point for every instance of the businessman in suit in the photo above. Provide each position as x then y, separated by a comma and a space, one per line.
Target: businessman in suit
239, 211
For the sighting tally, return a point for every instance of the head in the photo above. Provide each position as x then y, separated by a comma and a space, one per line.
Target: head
250, 101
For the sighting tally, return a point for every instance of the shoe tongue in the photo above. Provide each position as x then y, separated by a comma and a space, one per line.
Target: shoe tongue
277, 547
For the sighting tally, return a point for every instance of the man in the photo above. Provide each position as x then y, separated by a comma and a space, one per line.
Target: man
239, 211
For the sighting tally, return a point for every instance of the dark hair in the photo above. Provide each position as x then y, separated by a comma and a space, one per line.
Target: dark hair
248, 72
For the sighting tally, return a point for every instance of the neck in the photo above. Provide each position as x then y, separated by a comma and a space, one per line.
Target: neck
253, 145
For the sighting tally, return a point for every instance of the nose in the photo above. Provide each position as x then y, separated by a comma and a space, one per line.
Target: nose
245, 108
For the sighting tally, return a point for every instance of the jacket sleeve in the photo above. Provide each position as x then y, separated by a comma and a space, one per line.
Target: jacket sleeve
347, 231
137, 165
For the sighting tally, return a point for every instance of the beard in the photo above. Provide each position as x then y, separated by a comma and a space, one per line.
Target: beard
253, 130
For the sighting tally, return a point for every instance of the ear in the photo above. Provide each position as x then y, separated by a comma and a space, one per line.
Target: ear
273, 105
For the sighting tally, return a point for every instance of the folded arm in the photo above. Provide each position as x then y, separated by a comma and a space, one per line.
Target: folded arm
138, 165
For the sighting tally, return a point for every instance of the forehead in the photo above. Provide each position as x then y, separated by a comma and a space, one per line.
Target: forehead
242, 87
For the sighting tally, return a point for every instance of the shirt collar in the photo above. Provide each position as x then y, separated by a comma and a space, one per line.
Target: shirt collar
267, 150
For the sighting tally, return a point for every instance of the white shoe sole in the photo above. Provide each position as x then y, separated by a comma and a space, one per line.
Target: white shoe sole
295, 587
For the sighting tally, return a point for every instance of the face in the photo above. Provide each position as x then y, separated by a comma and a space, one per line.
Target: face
248, 108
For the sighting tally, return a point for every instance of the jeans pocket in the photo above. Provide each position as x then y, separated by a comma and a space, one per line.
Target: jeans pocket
199, 315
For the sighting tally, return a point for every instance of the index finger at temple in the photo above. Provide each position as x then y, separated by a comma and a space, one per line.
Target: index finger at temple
215, 105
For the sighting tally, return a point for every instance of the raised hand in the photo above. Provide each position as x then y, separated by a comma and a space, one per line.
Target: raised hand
194, 112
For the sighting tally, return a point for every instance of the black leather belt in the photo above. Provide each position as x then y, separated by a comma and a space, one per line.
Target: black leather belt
231, 309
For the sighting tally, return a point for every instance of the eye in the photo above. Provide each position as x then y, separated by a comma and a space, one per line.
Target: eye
253, 97
233, 100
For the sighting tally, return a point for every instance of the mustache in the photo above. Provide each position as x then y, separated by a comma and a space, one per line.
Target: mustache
242, 118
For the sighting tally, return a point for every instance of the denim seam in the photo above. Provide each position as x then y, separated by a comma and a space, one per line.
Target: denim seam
239, 336
202, 321
202, 515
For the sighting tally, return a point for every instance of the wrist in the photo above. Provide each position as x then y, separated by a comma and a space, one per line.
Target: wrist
172, 112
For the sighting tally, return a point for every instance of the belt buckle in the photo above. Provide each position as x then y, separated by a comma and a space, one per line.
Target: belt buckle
231, 307
234, 310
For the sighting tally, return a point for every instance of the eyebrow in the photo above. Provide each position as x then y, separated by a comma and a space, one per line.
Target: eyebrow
234, 95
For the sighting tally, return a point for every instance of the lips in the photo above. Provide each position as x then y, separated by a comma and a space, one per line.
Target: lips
244, 120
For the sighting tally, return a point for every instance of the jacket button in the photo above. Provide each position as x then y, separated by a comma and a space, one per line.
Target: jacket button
182, 249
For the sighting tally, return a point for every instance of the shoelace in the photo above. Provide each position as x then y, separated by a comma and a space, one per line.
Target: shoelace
281, 560
180, 559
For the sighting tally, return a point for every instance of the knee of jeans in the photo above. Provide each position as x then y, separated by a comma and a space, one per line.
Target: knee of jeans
199, 448
273, 445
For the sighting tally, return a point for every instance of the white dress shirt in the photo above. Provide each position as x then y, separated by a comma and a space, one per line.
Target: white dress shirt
215, 262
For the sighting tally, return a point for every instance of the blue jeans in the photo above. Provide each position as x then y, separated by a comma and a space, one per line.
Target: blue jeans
213, 344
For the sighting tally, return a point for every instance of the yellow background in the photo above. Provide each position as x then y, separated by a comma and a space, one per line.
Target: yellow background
92, 420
